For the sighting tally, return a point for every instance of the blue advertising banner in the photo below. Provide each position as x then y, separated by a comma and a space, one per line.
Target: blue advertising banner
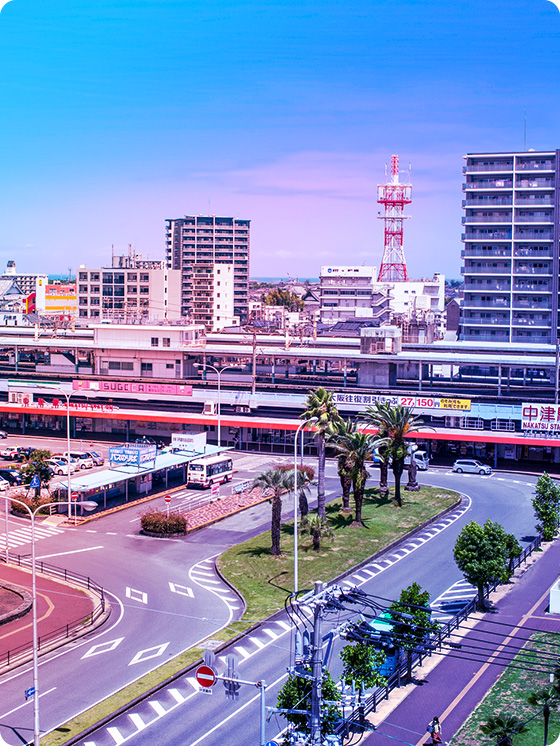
132, 455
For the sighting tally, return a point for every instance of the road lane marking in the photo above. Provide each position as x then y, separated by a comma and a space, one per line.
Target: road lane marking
75, 551
116, 735
181, 590
149, 653
29, 701
103, 647
134, 595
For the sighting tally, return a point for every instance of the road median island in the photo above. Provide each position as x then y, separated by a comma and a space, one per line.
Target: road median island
264, 581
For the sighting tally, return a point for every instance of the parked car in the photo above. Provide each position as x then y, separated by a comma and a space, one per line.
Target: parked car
60, 466
74, 466
96, 457
4, 484
22, 454
471, 466
11, 475
8, 452
82, 460
3, 434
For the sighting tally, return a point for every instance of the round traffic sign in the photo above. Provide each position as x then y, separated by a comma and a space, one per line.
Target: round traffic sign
205, 676
167, 498
74, 496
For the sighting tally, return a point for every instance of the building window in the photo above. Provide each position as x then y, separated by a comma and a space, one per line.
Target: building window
132, 290
83, 313
94, 289
146, 368
83, 288
144, 278
83, 301
82, 276
169, 365
114, 365
155, 341
144, 290
94, 301
166, 342
132, 277
94, 313
94, 276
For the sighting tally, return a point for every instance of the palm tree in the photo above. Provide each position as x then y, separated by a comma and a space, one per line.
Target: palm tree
357, 448
544, 698
317, 528
320, 405
502, 727
395, 423
345, 428
278, 482
375, 416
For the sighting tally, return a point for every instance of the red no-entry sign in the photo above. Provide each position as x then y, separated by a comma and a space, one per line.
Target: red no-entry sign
205, 676
74, 496
167, 498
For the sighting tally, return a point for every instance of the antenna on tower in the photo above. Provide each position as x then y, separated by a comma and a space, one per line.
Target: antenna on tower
394, 196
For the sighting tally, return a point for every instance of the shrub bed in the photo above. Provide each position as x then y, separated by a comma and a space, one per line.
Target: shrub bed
155, 521
30, 500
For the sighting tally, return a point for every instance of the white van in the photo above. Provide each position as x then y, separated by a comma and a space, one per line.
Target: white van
422, 460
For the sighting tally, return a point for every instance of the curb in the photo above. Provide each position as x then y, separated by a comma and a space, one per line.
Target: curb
24, 606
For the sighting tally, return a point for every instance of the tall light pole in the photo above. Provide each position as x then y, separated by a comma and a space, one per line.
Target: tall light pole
300, 427
87, 505
218, 372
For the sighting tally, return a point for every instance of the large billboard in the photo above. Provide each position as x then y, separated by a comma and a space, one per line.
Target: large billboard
130, 387
192, 442
132, 455
417, 402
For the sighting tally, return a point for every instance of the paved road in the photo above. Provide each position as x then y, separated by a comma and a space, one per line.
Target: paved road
182, 716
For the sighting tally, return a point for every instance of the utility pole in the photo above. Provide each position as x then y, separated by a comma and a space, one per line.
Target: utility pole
317, 672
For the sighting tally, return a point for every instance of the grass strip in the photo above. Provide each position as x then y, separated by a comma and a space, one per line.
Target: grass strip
509, 695
265, 580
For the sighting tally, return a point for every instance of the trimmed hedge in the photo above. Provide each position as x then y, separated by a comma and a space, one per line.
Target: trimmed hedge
156, 522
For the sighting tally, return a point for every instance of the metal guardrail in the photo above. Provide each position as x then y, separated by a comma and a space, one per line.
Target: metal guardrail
57, 636
415, 658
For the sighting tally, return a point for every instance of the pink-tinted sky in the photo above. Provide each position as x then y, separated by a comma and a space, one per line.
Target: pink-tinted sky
118, 114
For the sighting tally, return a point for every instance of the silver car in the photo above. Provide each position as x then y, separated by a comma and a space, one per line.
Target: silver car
471, 466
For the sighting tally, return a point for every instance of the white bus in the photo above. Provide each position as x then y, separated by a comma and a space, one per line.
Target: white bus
204, 472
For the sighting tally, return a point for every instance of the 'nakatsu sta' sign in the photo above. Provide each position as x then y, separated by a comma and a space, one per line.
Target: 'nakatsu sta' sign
541, 417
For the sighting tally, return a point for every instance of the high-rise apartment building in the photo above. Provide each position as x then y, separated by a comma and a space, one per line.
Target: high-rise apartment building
195, 244
511, 247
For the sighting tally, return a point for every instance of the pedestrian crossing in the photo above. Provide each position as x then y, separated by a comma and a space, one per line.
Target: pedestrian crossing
19, 535
452, 600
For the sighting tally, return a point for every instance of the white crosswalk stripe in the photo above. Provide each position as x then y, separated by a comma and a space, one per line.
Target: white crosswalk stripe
21, 535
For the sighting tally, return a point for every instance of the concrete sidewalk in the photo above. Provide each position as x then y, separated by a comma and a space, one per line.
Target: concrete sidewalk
451, 687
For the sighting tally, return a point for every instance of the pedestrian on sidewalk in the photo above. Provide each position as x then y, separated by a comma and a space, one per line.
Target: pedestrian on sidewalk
434, 729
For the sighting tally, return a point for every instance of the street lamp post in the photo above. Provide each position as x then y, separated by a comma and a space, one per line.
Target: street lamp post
300, 427
87, 505
218, 372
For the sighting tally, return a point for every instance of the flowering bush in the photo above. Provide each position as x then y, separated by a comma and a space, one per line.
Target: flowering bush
156, 521
30, 500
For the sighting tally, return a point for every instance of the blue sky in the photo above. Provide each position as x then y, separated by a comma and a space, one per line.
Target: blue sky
117, 115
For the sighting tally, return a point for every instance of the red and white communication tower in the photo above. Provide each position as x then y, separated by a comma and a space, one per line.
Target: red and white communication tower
394, 196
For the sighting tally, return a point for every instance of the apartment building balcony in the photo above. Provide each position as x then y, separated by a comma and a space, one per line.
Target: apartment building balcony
545, 253
488, 184
485, 287
486, 321
480, 336
531, 322
475, 303
489, 269
473, 251
490, 235
499, 167
527, 235
534, 183
488, 201
525, 199
534, 166
545, 304
532, 270
544, 218
506, 217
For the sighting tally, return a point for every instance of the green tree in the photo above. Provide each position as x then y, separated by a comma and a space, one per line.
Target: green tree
37, 466
283, 297
480, 554
544, 698
277, 482
377, 416
361, 663
503, 727
546, 505
395, 424
320, 405
411, 616
357, 448
296, 695
306, 474
513, 550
